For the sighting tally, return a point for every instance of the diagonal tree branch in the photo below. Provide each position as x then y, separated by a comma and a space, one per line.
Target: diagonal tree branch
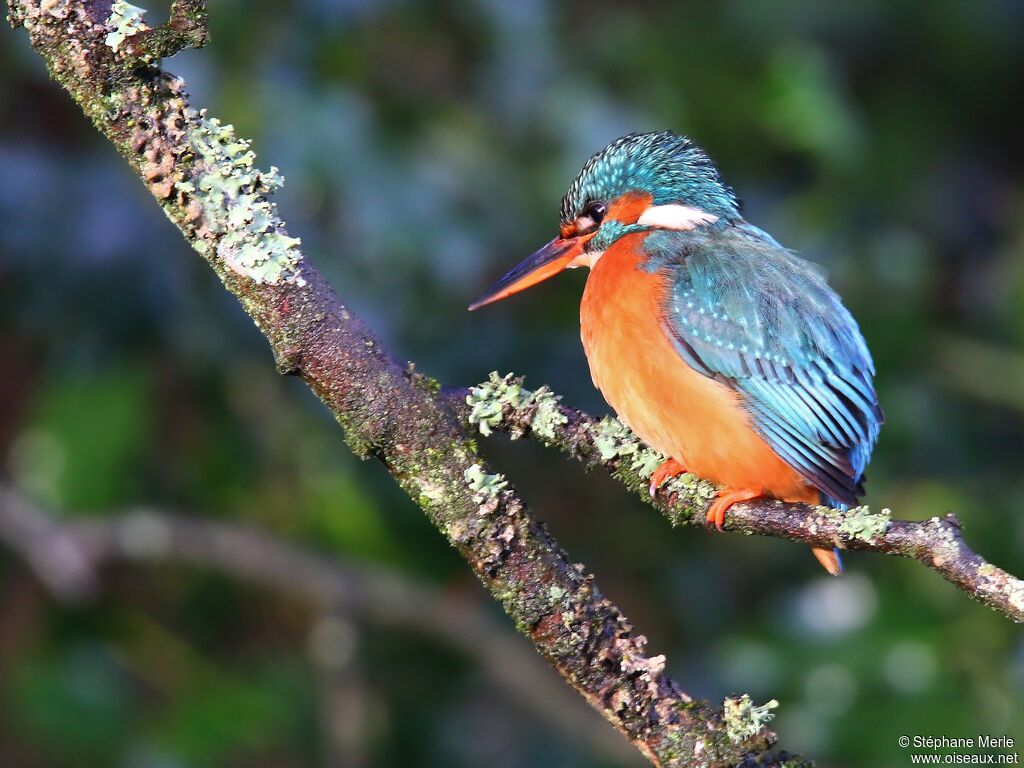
501, 404
204, 178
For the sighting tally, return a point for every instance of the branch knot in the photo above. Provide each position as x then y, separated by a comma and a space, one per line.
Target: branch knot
141, 45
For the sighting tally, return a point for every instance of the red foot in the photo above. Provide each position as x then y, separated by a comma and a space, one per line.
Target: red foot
725, 499
668, 469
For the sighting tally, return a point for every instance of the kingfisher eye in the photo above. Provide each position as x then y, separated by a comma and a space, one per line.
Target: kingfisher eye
591, 218
595, 211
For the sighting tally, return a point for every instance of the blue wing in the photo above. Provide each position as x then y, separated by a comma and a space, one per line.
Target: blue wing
742, 309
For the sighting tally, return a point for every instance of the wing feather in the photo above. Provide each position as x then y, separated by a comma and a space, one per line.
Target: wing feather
742, 309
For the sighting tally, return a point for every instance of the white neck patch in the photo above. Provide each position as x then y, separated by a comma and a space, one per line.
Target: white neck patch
587, 259
675, 216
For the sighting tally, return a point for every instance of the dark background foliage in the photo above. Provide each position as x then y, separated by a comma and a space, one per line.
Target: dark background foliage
426, 146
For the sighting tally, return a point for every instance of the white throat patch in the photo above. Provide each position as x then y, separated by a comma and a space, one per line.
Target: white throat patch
587, 259
675, 216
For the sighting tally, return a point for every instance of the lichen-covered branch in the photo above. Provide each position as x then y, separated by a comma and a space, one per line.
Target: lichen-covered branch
502, 404
206, 180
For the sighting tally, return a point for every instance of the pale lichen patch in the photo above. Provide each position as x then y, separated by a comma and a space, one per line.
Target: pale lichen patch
613, 439
645, 461
483, 485
744, 719
487, 401
861, 523
546, 416
692, 485
827, 512
232, 193
124, 21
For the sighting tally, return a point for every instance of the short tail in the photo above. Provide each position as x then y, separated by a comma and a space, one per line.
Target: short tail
829, 559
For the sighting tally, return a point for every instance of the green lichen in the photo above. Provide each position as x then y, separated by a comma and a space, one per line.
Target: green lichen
546, 416
823, 511
487, 401
693, 486
744, 719
614, 440
233, 196
606, 439
124, 21
861, 523
645, 461
483, 485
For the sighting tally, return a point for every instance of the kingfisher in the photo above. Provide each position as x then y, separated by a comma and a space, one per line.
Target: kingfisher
716, 345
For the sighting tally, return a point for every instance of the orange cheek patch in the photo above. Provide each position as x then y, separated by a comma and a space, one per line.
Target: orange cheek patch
630, 207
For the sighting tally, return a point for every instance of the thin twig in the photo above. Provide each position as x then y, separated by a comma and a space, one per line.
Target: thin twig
68, 557
56, 557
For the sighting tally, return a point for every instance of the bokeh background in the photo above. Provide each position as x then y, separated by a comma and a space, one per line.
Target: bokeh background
426, 147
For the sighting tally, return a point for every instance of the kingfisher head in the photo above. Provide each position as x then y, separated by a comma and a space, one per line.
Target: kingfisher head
641, 182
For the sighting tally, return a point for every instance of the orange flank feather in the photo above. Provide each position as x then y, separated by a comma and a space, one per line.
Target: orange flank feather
695, 420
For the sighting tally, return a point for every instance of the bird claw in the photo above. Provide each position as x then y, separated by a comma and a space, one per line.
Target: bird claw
667, 469
724, 499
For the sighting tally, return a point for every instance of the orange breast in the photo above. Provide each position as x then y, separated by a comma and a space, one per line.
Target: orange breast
689, 417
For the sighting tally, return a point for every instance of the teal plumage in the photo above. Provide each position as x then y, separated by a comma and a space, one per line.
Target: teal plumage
669, 167
744, 310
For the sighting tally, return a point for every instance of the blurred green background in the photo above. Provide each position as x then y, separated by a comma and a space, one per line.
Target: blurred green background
426, 147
